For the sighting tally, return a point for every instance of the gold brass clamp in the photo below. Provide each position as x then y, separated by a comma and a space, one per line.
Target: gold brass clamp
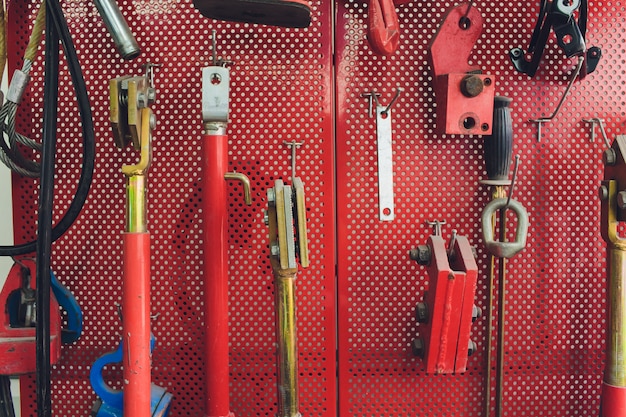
286, 218
132, 122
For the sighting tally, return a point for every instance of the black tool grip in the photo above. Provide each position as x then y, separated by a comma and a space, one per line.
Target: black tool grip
499, 145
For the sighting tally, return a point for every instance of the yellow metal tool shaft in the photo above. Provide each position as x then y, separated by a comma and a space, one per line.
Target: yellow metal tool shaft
284, 287
615, 370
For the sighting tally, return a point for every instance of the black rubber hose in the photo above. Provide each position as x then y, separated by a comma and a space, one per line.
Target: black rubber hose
44, 224
89, 142
6, 399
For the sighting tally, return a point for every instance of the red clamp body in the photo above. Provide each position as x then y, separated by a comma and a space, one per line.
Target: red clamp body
448, 310
17, 340
463, 95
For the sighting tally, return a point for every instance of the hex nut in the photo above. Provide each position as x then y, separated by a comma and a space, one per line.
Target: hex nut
621, 199
275, 249
477, 313
417, 347
421, 254
471, 348
421, 313
608, 157
271, 196
603, 193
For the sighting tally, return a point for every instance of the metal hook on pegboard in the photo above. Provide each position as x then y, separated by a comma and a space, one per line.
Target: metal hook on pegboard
597, 121
541, 120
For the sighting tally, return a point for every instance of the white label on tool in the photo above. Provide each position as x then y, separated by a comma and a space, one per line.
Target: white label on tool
385, 164
215, 81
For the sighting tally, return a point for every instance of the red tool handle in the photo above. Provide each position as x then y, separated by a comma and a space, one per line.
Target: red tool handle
136, 324
215, 248
613, 401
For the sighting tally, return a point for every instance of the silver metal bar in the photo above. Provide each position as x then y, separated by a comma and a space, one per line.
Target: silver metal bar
386, 209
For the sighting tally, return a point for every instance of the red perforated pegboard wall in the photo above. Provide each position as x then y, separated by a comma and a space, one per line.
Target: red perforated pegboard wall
282, 89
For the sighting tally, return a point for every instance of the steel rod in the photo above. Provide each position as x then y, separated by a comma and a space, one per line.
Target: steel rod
501, 318
498, 192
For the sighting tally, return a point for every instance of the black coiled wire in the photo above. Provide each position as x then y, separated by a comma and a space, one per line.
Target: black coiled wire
56, 29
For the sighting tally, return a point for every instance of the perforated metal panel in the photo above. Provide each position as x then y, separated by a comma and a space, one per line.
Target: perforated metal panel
282, 89
555, 292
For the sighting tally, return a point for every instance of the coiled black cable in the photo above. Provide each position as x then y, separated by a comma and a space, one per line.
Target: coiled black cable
44, 223
89, 143
56, 29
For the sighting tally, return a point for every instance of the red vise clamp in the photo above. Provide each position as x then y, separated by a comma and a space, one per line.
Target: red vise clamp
17, 331
463, 95
447, 311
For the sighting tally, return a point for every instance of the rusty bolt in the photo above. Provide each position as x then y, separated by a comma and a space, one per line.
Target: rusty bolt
421, 254
421, 313
417, 347
472, 85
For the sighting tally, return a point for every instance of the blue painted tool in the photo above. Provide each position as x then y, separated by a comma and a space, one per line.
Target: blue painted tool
111, 401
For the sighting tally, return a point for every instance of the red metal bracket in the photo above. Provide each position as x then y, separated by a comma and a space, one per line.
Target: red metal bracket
447, 312
463, 95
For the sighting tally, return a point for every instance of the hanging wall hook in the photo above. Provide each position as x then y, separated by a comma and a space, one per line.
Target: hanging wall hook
436, 225
293, 145
597, 121
399, 90
373, 98
541, 120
